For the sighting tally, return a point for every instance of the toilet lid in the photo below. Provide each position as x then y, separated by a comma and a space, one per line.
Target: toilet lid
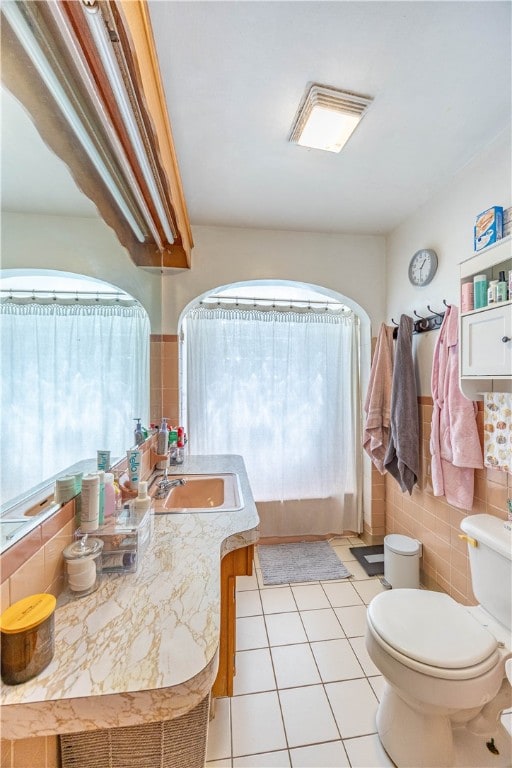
430, 627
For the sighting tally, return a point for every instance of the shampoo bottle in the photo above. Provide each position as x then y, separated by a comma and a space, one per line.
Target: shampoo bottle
143, 502
501, 288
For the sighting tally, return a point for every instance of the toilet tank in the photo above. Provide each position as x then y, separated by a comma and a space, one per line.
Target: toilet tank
491, 564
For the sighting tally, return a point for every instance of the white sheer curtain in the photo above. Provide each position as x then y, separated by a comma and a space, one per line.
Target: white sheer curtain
73, 376
281, 388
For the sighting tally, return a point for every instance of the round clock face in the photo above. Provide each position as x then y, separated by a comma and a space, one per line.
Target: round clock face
422, 267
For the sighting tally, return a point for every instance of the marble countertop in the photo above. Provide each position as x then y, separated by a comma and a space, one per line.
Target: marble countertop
143, 647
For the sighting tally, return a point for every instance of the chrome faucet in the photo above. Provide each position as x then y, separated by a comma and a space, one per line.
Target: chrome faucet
166, 484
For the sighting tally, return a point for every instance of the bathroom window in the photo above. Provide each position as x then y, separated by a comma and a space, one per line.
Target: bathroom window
280, 386
75, 372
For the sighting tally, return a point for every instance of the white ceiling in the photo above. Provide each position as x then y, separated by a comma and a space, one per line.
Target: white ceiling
235, 72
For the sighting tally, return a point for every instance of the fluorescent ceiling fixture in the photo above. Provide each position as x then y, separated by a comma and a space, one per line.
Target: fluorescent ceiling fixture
327, 118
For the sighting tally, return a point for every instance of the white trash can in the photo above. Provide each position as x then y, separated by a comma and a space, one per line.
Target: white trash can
402, 561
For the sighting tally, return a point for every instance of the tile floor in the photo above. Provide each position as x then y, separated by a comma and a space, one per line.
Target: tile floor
306, 691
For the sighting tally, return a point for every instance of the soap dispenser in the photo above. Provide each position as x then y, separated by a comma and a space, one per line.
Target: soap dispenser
138, 433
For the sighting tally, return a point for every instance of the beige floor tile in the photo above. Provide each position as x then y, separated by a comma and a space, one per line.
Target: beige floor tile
353, 619
377, 683
248, 604
368, 589
321, 624
254, 672
325, 755
257, 725
278, 600
219, 732
341, 593
354, 705
251, 633
294, 665
285, 628
307, 716
243, 583
310, 596
279, 759
367, 752
336, 660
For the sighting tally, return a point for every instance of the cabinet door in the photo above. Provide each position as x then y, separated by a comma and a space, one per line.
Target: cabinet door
484, 353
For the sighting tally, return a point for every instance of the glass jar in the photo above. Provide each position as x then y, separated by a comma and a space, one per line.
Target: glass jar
28, 637
83, 565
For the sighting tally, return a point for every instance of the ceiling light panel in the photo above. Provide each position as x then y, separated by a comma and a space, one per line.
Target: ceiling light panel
327, 118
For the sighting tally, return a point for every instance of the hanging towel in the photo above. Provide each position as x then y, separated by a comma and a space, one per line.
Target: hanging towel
378, 399
403, 454
498, 430
454, 442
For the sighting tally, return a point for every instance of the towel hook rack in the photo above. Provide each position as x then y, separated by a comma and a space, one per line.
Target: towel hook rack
419, 316
446, 305
394, 322
439, 314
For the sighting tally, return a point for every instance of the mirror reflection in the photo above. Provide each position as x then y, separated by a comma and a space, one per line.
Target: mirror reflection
76, 316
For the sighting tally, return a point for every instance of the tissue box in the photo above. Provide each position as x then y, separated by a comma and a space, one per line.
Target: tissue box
488, 227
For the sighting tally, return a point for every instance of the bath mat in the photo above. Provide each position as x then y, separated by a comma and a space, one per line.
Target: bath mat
305, 561
371, 558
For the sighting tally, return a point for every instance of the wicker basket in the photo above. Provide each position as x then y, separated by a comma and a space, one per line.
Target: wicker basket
178, 743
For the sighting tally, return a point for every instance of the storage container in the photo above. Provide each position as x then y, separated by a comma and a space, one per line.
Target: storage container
402, 561
28, 638
125, 540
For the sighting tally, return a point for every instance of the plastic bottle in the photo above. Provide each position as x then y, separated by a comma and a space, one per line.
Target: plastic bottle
118, 495
110, 496
491, 292
161, 441
180, 449
173, 447
101, 502
138, 433
90, 507
143, 502
501, 288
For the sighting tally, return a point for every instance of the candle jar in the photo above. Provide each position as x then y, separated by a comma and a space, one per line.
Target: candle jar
83, 565
28, 638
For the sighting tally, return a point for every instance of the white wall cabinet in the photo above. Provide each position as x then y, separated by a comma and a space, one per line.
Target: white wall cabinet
486, 333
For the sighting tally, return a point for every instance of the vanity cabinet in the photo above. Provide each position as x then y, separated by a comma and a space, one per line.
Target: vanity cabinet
235, 563
486, 333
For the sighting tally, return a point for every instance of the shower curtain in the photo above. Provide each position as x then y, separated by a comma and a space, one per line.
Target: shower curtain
281, 388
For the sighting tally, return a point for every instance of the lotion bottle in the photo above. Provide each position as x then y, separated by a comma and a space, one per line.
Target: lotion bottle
161, 441
143, 502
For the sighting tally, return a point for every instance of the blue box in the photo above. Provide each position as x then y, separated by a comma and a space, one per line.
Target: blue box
488, 227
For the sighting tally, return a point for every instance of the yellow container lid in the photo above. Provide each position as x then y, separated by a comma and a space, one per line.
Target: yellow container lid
27, 613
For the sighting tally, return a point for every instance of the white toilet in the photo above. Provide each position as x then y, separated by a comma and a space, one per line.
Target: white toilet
444, 663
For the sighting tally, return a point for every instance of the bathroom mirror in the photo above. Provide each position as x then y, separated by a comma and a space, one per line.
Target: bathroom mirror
48, 226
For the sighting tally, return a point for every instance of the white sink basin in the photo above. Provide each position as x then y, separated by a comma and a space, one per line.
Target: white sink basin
203, 493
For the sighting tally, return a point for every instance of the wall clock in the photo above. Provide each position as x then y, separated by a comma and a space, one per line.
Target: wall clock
423, 267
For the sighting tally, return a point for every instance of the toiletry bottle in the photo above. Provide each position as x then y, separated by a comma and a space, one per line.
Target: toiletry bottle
173, 446
161, 441
134, 457
501, 288
110, 496
491, 292
101, 509
180, 448
90, 503
138, 433
143, 502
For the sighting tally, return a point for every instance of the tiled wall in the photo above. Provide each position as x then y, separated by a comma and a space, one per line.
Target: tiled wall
164, 397
436, 523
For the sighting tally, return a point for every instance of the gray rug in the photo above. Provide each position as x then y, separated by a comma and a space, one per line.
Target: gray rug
305, 561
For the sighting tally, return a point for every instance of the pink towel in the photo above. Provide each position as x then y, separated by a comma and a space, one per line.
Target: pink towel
378, 399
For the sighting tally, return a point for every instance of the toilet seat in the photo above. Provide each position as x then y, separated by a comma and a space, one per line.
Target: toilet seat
432, 634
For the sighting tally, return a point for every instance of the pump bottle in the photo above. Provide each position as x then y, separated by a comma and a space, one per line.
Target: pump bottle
161, 441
